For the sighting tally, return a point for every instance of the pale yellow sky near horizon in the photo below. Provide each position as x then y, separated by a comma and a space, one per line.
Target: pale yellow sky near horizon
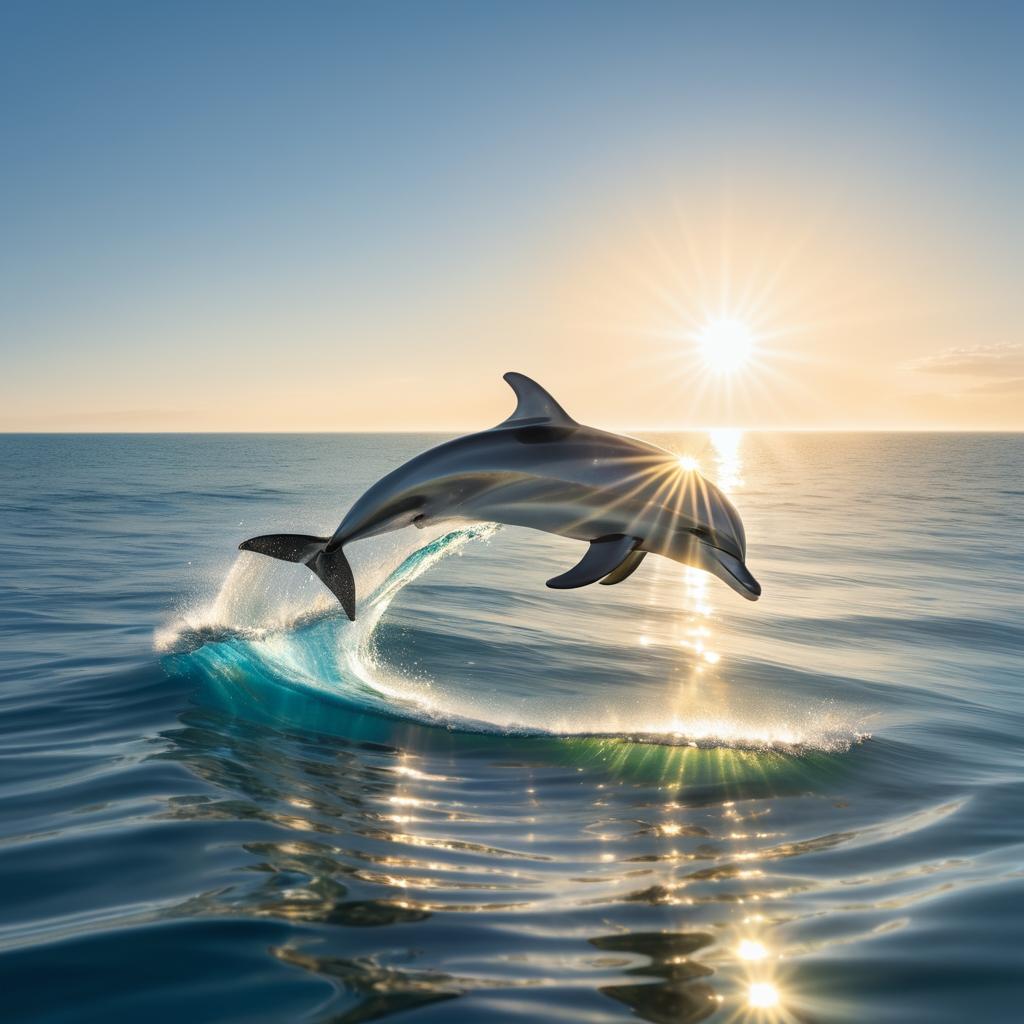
863, 318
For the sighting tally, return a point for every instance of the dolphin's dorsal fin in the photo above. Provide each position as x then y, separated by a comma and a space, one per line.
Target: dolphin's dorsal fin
534, 406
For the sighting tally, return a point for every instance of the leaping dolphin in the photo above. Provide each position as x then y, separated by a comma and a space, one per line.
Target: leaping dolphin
541, 469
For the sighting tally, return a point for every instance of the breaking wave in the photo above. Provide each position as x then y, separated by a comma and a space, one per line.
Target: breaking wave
271, 625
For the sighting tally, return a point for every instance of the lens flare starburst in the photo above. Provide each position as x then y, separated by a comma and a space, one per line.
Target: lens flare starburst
762, 995
725, 344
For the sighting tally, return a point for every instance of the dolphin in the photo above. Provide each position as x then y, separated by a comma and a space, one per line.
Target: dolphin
541, 469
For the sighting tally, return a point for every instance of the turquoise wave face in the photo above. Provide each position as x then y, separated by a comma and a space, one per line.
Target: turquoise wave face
485, 800
310, 647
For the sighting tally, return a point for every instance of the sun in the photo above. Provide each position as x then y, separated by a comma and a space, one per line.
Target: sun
725, 345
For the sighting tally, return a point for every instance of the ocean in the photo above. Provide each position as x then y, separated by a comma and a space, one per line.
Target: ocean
489, 801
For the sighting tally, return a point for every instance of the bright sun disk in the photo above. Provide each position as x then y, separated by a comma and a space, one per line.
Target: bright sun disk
725, 345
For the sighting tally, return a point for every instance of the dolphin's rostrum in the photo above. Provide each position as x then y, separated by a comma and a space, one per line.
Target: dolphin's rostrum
541, 469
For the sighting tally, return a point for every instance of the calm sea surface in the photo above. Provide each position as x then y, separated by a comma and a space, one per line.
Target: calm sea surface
489, 801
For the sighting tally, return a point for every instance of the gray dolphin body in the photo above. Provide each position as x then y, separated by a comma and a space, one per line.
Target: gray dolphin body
543, 470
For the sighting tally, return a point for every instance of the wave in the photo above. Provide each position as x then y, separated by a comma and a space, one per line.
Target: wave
273, 626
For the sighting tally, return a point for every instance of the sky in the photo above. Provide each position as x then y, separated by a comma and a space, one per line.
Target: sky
329, 216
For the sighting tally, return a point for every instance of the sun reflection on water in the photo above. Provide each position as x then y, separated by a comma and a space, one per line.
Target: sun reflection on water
751, 949
696, 632
727, 442
762, 995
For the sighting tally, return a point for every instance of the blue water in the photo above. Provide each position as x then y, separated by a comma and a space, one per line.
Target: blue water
489, 801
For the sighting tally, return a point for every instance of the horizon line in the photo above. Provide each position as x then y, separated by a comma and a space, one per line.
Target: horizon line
462, 430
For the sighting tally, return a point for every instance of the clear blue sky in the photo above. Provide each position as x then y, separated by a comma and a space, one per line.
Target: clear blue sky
246, 215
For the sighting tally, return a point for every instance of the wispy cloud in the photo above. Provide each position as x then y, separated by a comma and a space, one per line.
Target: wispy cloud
1012, 386
1002, 360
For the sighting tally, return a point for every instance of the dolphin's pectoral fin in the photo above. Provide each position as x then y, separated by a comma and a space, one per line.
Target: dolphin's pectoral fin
626, 568
604, 556
534, 405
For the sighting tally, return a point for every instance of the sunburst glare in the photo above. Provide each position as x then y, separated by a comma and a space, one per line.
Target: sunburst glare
726, 344
762, 995
751, 949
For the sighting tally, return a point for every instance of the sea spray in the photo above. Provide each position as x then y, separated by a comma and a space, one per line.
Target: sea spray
270, 624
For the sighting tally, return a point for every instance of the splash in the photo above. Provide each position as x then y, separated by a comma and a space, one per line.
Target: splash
261, 600
270, 625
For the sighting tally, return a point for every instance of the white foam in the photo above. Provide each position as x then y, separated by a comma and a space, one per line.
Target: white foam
266, 603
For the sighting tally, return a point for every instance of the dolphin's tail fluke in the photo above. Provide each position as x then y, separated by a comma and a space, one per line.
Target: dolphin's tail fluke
331, 566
